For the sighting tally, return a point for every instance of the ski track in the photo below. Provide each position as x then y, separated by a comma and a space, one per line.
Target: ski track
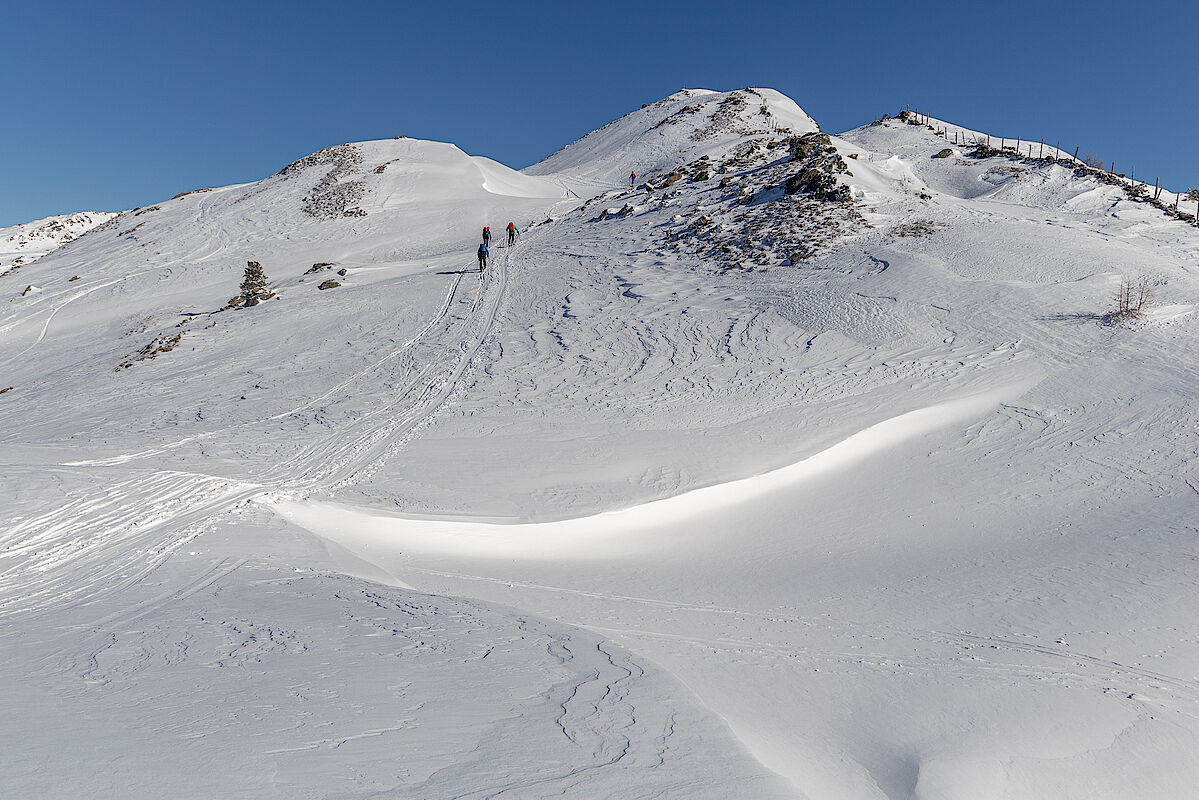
120, 536
885, 342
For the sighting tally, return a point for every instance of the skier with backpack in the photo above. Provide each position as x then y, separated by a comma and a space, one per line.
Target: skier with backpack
632, 179
512, 231
483, 252
486, 235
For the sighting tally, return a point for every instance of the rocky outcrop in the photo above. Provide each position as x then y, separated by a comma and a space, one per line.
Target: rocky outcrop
337, 193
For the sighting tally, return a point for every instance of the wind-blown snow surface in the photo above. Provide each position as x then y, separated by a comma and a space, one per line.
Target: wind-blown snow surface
905, 520
26, 243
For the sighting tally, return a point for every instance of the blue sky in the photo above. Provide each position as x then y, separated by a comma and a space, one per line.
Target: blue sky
115, 105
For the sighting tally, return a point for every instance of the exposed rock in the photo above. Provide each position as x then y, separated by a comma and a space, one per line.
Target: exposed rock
946, 153
817, 183
918, 228
159, 344
329, 284
804, 146
332, 197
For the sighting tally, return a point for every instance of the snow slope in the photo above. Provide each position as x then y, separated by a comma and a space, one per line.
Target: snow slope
646, 509
679, 128
26, 243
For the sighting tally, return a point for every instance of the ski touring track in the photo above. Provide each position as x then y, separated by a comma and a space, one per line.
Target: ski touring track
117, 533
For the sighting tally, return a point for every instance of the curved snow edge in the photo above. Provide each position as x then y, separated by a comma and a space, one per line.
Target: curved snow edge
622, 532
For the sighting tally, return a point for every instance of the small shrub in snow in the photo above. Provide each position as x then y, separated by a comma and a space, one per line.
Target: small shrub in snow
1092, 160
253, 288
1131, 299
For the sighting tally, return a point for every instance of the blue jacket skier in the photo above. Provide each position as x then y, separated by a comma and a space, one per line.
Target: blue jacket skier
482, 257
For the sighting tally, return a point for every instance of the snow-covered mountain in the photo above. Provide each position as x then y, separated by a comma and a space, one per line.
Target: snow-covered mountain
26, 243
806, 466
677, 129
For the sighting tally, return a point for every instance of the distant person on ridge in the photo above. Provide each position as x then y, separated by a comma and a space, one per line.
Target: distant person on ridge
632, 179
511, 234
486, 235
482, 257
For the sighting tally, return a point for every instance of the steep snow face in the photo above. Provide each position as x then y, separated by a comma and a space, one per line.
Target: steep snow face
26, 243
417, 172
673, 131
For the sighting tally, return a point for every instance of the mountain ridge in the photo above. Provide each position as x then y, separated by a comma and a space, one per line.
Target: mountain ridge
803, 465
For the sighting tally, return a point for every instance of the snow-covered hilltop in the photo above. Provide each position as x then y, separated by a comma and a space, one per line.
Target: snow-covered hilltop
26, 243
677, 129
803, 466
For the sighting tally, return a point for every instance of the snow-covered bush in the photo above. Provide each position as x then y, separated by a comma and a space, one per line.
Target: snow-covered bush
253, 288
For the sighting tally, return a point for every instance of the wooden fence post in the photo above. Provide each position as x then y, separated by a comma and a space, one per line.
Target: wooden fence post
1156, 187
1075, 152
1041, 152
